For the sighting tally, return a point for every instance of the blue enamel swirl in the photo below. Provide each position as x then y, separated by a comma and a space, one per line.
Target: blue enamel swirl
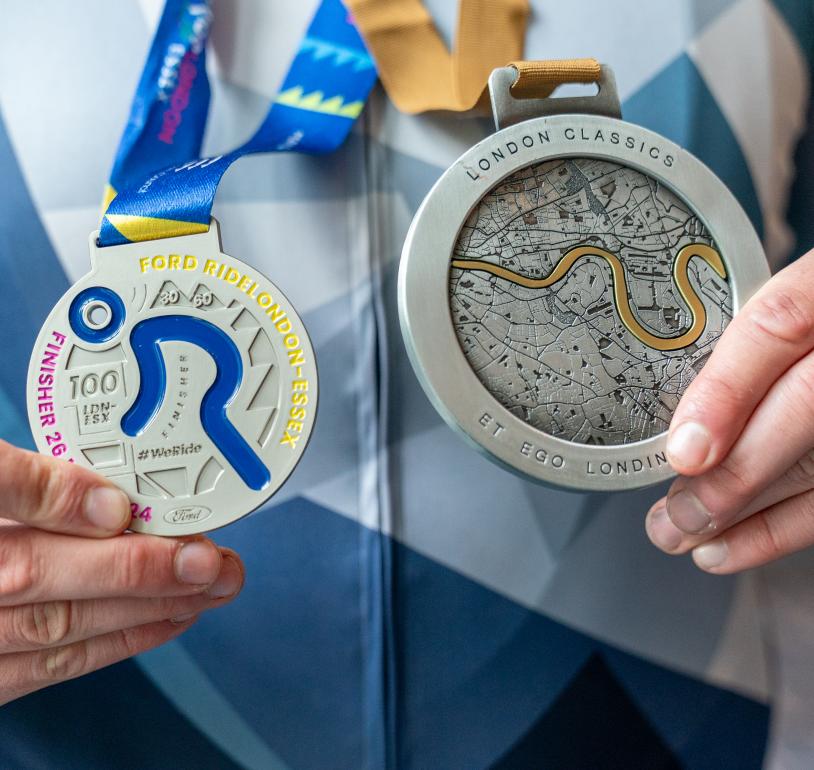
145, 340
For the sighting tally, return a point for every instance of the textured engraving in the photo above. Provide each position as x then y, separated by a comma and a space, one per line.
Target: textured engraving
265, 433
245, 320
561, 356
201, 297
261, 351
208, 477
267, 394
105, 455
171, 481
147, 488
79, 357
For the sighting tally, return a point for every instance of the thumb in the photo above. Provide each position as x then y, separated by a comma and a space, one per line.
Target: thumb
55, 495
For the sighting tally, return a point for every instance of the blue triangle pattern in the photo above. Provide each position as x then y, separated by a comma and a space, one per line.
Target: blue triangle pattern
678, 104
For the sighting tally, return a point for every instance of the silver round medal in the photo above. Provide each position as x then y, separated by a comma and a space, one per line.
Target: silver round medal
179, 373
564, 281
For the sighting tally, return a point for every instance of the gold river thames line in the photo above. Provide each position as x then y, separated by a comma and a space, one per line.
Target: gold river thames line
620, 292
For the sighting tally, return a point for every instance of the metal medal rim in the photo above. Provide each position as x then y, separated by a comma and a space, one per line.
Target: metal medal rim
423, 298
202, 244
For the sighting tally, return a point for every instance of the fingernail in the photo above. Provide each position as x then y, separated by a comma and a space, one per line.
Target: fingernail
710, 555
662, 531
107, 508
687, 512
180, 619
229, 580
197, 563
689, 445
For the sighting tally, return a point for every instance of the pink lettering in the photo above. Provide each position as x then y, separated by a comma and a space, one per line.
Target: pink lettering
45, 393
179, 100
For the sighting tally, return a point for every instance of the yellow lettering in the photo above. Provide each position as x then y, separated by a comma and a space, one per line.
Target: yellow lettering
290, 440
210, 266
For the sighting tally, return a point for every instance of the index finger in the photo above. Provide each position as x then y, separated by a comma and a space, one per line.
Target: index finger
773, 331
55, 495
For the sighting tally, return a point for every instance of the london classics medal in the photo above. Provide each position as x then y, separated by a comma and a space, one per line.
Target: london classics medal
564, 281
178, 372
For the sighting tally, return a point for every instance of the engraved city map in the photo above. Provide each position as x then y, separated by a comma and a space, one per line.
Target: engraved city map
561, 356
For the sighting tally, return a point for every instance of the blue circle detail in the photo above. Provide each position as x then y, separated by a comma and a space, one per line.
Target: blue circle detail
86, 297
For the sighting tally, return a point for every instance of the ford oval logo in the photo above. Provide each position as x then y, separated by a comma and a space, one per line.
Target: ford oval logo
189, 514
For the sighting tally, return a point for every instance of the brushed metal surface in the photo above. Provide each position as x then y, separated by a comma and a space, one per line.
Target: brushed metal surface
424, 288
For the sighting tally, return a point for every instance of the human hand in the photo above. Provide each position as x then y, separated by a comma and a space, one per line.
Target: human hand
77, 595
743, 437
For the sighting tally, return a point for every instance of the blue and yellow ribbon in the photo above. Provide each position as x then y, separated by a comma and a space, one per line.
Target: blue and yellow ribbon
159, 187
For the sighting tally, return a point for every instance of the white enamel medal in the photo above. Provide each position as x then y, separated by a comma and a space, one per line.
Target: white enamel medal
564, 281
179, 373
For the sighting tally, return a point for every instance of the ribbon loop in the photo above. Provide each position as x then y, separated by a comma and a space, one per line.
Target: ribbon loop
538, 79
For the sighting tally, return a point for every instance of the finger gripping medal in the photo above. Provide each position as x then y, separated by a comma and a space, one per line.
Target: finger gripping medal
184, 376
563, 283
175, 370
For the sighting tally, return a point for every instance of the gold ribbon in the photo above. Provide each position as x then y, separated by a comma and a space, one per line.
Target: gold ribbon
420, 73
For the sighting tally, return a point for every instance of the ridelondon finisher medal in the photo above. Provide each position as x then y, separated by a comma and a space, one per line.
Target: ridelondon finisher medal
182, 375
173, 369
563, 283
